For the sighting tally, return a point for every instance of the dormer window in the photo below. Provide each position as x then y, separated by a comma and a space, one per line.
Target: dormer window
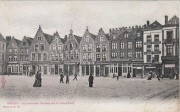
24, 43
101, 39
126, 35
86, 38
39, 38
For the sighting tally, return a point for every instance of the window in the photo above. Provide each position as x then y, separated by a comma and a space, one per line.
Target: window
26, 50
129, 69
21, 50
122, 55
36, 48
97, 57
42, 47
3, 57
129, 54
101, 39
45, 56
138, 34
21, 58
169, 36
114, 36
124, 69
156, 58
84, 47
90, 47
56, 57
103, 57
39, 38
90, 56
15, 58
114, 45
39, 56
129, 45
138, 44
148, 38
52, 57
15, 51
114, 55
148, 58
3, 47
84, 56
71, 45
10, 51
148, 48
24, 43
156, 38
126, 35
72, 56
10, 58
156, 47
52, 69
33, 56
86, 38
77, 55
103, 48
122, 45
59, 47
97, 48
45, 69
54, 48
26, 58
138, 54
169, 50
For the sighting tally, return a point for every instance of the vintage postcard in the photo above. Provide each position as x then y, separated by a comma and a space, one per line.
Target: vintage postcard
89, 56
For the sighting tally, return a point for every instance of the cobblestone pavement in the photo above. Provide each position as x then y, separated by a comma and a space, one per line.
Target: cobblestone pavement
108, 94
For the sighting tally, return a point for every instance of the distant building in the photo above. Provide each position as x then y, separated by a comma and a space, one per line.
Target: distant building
153, 48
126, 51
170, 46
2, 55
40, 52
72, 53
102, 53
56, 54
87, 53
13, 55
24, 61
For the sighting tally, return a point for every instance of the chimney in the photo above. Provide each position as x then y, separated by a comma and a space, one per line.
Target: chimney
166, 19
8, 38
110, 31
147, 23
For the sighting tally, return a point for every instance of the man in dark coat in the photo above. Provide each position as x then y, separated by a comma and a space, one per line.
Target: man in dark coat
117, 77
67, 78
38, 79
61, 78
91, 78
75, 77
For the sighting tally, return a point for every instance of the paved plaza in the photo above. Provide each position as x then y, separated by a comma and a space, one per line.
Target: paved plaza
108, 94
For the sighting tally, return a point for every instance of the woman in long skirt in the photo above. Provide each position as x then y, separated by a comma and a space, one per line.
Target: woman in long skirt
91, 78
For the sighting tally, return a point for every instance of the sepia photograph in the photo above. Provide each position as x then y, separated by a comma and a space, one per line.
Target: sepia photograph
89, 56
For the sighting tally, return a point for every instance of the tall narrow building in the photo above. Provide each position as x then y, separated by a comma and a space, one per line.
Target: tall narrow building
2, 55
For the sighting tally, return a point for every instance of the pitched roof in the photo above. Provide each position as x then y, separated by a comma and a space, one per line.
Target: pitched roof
29, 40
62, 40
107, 36
2, 38
174, 21
93, 36
154, 26
18, 42
48, 37
78, 38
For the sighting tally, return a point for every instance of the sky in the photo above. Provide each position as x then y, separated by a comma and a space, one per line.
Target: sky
22, 18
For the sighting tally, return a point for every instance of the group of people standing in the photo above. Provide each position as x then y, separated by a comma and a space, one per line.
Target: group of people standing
38, 79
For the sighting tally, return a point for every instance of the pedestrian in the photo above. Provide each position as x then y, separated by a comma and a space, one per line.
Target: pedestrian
91, 78
75, 77
38, 79
128, 75
67, 78
113, 75
61, 78
158, 77
150, 76
117, 77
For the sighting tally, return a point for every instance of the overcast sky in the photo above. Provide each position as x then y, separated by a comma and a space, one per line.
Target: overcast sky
20, 19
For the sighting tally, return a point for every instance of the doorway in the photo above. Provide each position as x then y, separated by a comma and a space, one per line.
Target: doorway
119, 71
56, 69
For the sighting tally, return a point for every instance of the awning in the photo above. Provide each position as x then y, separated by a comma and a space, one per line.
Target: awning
169, 65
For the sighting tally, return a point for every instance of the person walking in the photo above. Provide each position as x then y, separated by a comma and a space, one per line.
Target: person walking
117, 77
158, 76
128, 75
38, 80
61, 78
113, 75
75, 77
91, 78
67, 78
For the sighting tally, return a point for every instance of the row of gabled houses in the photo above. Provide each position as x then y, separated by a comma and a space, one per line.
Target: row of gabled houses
136, 50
